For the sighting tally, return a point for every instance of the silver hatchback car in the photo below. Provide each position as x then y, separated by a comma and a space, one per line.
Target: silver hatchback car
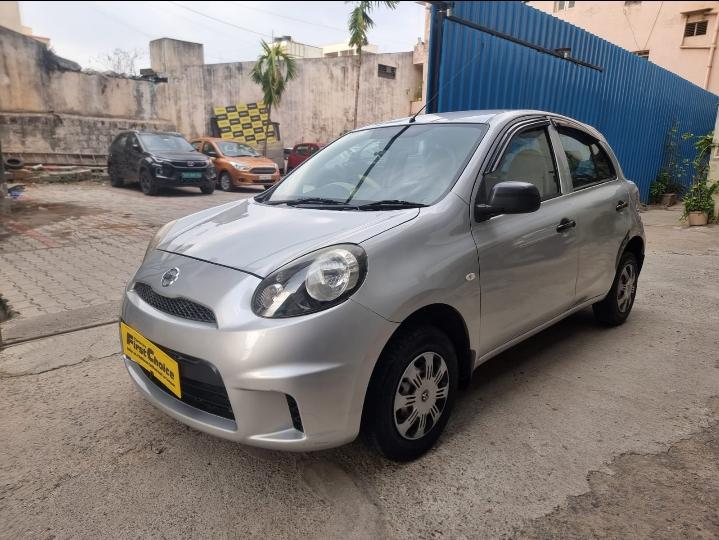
362, 291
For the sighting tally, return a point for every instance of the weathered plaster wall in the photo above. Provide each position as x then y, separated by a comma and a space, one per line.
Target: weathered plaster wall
48, 106
318, 105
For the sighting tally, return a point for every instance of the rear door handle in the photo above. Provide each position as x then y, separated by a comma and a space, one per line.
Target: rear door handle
621, 205
566, 224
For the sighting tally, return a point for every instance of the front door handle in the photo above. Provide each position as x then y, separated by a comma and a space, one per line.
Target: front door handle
621, 205
566, 224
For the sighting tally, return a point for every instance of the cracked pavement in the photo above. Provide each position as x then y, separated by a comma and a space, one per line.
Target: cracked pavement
580, 431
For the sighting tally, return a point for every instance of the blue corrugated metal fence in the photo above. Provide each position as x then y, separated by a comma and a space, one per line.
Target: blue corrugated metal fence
632, 101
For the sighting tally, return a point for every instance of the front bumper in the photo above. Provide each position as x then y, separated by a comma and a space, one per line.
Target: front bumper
323, 361
172, 176
240, 178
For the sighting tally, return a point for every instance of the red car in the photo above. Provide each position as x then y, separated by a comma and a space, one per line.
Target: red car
300, 153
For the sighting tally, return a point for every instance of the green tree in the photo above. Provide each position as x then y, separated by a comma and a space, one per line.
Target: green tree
359, 24
274, 68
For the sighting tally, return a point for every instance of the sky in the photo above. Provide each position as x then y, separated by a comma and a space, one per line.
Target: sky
230, 31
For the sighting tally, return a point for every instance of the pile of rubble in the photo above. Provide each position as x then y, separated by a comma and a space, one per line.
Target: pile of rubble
16, 171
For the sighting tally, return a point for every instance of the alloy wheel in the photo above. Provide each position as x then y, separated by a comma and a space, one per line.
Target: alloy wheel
626, 287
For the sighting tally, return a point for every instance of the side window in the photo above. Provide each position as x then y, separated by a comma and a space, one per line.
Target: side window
312, 149
588, 162
207, 149
301, 150
528, 158
131, 141
196, 145
119, 143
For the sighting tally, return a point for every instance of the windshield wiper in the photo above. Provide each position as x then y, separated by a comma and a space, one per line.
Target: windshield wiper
315, 201
390, 204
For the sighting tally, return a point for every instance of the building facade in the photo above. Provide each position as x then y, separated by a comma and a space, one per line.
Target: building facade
678, 36
10, 18
302, 50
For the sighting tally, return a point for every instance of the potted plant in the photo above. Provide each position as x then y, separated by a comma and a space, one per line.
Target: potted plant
698, 202
668, 185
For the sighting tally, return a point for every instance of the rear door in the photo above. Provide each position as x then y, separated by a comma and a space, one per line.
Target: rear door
601, 201
133, 155
527, 262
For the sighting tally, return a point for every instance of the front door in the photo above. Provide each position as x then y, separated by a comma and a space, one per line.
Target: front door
527, 262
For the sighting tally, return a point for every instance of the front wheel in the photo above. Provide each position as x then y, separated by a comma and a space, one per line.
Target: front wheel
412, 392
147, 183
616, 306
208, 188
226, 181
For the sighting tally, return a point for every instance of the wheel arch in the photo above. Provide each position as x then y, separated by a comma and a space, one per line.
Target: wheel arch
635, 245
445, 318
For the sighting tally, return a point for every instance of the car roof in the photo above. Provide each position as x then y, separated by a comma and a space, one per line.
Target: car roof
488, 116
141, 132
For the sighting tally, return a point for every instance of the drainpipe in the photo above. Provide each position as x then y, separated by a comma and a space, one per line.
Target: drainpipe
712, 48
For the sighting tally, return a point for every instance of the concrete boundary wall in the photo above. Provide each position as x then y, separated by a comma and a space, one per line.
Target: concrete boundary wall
48, 105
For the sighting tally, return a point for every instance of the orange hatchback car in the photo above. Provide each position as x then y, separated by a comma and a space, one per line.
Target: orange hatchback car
237, 164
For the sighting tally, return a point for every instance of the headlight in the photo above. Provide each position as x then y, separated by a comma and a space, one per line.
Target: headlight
317, 281
240, 167
159, 237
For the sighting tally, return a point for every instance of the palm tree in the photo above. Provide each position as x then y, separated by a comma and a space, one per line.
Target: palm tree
273, 69
359, 23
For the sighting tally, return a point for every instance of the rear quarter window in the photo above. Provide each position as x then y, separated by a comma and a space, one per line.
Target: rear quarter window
588, 163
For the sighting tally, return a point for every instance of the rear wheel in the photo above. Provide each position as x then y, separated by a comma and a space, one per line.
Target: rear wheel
616, 306
226, 182
115, 179
147, 183
412, 392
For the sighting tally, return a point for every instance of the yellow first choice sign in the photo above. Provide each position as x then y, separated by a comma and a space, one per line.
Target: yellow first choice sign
142, 351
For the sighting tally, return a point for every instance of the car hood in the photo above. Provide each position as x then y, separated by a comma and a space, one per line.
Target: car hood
181, 156
258, 239
259, 161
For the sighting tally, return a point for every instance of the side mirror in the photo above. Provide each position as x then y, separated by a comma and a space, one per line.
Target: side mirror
509, 198
136, 146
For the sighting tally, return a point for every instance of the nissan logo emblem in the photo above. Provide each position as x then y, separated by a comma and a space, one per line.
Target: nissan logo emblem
169, 277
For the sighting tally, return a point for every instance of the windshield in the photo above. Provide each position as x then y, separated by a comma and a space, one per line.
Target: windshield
414, 164
235, 149
163, 142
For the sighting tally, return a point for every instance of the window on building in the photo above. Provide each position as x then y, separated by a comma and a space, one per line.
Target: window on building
560, 6
697, 28
387, 72
642, 54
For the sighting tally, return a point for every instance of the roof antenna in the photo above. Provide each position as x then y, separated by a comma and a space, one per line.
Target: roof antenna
414, 116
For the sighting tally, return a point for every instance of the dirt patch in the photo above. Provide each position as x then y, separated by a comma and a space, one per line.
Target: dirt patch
33, 214
673, 494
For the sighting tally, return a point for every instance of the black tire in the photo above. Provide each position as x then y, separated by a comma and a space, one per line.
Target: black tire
115, 179
225, 182
382, 420
147, 183
208, 188
614, 309
14, 164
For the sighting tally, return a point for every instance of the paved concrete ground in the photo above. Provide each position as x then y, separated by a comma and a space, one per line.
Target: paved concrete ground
579, 431
73, 247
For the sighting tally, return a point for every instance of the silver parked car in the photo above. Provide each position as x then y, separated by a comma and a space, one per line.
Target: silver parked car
363, 290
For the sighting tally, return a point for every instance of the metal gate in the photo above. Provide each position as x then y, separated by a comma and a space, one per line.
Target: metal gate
495, 55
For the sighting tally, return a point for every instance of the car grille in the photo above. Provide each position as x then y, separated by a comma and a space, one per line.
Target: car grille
186, 164
179, 307
263, 170
200, 383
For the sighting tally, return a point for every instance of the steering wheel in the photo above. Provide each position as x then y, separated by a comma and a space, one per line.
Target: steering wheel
345, 189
